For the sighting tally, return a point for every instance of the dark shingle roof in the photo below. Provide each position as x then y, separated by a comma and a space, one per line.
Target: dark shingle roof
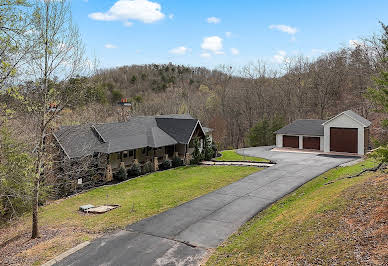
179, 129
78, 141
137, 132
310, 127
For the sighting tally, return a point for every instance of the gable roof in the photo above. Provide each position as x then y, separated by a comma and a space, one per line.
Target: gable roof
137, 132
180, 129
353, 115
78, 141
309, 127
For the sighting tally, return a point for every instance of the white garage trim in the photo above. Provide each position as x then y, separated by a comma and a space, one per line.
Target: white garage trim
344, 121
279, 140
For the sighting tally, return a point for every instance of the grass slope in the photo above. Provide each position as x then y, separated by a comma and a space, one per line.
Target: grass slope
317, 224
63, 226
232, 155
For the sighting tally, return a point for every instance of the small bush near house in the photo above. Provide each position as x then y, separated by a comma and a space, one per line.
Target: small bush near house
122, 174
147, 168
197, 155
215, 150
166, 164
176, 162
134, 170
208, 152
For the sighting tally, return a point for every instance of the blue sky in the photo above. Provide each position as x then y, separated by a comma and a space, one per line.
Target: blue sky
213, 32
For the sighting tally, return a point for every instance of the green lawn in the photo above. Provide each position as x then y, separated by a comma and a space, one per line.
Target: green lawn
305, 227
142, 197
139, 198
232, 155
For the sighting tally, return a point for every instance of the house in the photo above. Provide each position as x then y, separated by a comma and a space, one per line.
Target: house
142, 138
346, 132
110, 146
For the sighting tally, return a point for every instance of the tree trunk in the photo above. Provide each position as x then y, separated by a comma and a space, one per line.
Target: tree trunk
35, 203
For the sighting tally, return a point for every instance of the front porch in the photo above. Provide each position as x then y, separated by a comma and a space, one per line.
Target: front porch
148, 154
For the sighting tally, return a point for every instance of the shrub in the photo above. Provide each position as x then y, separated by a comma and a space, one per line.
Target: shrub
166, 164
121, 174
197, 155
176, 162
147, 168
208, 152
215, 151
134, 170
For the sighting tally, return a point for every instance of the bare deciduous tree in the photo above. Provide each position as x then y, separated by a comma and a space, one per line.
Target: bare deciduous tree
58, 54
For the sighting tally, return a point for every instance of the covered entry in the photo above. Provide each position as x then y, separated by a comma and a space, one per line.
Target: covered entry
343, 139
291, 141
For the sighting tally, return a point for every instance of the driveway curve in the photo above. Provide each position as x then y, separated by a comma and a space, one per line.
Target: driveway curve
182, 235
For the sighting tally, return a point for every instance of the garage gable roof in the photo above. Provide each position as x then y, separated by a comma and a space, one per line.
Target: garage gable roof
356, 117
308, 127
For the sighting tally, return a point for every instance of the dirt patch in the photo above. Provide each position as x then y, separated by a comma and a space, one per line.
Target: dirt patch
20, 249
369, 214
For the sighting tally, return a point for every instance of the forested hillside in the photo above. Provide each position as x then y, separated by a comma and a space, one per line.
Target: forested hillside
232, 101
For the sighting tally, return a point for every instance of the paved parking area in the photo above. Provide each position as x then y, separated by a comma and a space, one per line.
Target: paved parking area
181, 235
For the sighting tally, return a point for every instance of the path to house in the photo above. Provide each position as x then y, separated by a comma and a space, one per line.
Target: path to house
182, 235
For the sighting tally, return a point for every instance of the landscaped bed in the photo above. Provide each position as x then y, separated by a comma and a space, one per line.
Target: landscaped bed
64, 226
232, 155
323, 222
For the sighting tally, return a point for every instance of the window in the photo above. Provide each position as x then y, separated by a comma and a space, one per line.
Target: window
125, 154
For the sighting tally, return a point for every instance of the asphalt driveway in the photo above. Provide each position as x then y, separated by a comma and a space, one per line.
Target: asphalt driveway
182, 235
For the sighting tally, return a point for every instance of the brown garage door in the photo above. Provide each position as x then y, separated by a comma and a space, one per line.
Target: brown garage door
343, 139
311, 143
291, 141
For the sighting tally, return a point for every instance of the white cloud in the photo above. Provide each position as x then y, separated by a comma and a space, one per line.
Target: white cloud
234, 51
228, 34
355, 43
206, 55
213, 20
181, 50
171, 16
280, 56
284, 28
110, 46
124, 10
212, 44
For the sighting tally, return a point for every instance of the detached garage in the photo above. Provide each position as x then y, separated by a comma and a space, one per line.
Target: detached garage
346, 132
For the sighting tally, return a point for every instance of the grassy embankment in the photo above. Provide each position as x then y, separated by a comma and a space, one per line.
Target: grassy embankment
232, 155
63, 226
339, 223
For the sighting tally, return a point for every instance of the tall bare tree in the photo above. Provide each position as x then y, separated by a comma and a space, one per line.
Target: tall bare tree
58, 55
